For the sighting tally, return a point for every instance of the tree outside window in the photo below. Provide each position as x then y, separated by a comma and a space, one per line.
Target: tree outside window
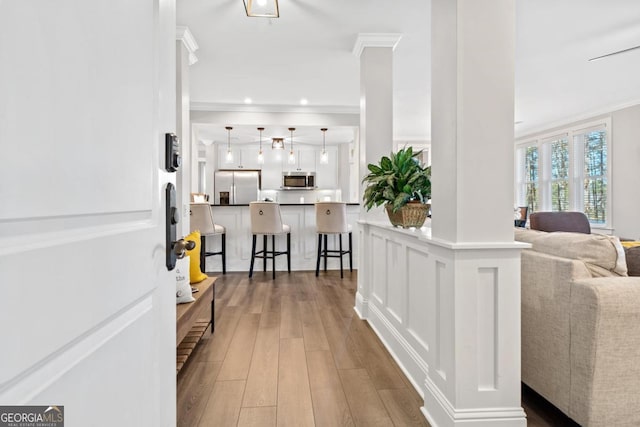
595, 175
560, 175
531, 177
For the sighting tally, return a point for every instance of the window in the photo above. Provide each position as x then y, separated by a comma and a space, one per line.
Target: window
559, 175
591, 146
567, 171
528, 180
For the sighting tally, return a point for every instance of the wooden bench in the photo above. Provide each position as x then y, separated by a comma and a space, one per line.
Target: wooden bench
193, 318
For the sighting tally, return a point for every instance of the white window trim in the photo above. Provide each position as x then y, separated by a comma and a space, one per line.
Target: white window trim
544, 172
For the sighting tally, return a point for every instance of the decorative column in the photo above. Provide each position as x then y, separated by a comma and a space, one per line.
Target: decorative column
375, 51
474, 371
185, 57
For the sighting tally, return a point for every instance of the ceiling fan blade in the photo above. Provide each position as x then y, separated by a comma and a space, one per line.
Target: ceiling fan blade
615, 53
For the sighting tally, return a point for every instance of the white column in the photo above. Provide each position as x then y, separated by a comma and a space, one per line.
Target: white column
375, 51
474, 369
472, 87
185, 56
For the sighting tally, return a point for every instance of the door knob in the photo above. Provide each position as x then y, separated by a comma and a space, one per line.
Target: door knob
181, 247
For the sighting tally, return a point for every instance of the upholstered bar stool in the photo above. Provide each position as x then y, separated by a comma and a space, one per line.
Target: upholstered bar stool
202, 220
331, 218
267, 220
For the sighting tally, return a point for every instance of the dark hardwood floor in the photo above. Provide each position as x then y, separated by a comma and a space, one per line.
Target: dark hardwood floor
292, 352
541, 413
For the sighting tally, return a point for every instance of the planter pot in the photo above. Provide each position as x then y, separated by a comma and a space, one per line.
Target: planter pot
413, 214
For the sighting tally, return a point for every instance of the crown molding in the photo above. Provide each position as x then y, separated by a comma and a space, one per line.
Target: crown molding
273, 108
375, 40
529, 132
184, 35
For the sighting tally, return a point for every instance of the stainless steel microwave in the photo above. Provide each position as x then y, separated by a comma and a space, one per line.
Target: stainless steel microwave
298, 180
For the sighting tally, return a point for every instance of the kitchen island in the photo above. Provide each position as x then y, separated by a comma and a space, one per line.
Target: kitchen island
301, 217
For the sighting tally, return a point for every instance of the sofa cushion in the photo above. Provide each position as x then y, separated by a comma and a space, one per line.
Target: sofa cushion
597, 251
526, 235
632, 254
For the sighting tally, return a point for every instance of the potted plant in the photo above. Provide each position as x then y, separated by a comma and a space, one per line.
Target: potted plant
402, 185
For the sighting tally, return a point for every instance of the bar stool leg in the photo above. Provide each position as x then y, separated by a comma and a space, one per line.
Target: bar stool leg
203, 250
224, 253
340, 240
319, 252
350, 255
264, 253
253, 255
289, 252
273, 255
326, 250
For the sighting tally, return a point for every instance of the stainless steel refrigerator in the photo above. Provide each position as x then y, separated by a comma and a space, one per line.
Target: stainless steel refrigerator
237, 187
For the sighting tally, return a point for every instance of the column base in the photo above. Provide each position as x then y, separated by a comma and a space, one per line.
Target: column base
439, 413
362, 306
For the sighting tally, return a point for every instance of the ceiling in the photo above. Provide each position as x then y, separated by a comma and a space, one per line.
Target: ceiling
307, 53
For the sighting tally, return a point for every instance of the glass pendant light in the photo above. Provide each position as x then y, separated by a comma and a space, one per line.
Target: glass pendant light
292, 156
324, 156
229, 157
260, 155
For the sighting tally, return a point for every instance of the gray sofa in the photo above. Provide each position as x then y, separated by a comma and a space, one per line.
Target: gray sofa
581, 327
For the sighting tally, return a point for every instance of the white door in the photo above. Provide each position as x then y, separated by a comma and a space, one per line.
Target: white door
87, 307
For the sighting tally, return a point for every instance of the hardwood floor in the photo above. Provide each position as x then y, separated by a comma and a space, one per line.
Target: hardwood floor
292, 352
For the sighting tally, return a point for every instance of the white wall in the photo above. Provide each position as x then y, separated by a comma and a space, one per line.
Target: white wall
625, 165
625, 158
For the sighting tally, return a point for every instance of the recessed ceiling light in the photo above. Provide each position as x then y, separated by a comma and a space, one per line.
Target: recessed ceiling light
304, 101
248, 100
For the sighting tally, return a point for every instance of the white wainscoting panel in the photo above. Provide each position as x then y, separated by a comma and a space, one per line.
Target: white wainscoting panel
449, 313
420, 300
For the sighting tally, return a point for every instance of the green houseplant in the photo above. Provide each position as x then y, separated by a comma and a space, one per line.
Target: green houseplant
401, 184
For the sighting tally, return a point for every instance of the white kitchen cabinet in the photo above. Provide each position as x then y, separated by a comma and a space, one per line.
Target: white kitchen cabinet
305, 160
222, 157
249, 157
327, 174
244, 157
272, 169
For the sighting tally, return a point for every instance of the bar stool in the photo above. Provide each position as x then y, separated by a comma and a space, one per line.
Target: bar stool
267, 220
202, 220
331, 218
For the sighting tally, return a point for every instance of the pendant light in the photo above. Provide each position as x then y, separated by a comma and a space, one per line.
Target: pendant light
292, 156
260, 155
229, 158
277, 143
324, 156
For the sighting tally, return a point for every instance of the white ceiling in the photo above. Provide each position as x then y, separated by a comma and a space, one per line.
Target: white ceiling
306, 53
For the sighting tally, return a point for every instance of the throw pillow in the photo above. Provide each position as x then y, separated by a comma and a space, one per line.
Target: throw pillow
183, 288
630, 243
621, 261
597, 251
196, 275
633, 260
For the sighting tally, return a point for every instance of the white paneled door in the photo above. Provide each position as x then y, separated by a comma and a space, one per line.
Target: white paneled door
87, 306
